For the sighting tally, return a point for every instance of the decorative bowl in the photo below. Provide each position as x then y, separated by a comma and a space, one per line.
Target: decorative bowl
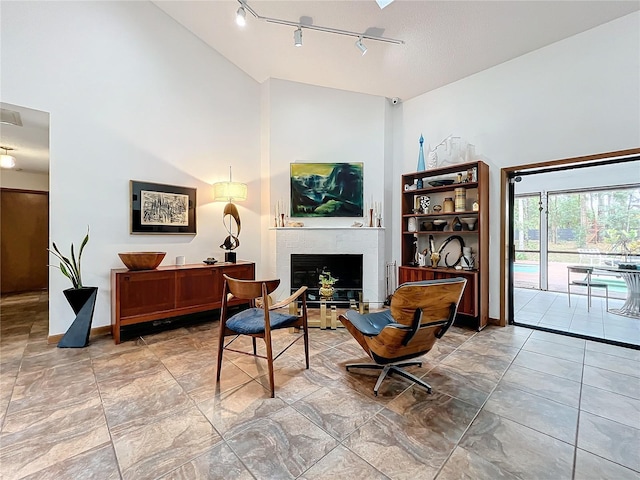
470, 221
439, 224
142, 260
439, 183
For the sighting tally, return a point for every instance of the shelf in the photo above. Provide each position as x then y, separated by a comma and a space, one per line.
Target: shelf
440, 232
441, 214
475, 299
442, 188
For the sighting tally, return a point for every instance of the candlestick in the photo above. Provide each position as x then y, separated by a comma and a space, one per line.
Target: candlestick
371, 217
282, 219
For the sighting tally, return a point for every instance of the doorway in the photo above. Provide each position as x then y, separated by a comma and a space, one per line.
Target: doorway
24, 203
567, 213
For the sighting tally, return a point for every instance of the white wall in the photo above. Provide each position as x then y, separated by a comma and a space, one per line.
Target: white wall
131, 95
307, 123
24, 180
576, 97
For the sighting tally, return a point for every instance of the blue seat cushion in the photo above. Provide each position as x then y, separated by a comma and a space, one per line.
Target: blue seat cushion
251, 321
370, 324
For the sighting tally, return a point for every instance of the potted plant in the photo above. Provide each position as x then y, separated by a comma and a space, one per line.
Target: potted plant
326, 285
82, 299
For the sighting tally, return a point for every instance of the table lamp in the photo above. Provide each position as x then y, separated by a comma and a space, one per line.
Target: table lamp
228, 192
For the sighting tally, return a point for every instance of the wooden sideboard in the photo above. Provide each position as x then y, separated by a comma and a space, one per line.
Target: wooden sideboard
147, 295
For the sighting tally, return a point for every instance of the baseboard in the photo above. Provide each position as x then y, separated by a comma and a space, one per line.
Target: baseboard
95, 332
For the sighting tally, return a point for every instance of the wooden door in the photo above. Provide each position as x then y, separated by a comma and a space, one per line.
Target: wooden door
24, 231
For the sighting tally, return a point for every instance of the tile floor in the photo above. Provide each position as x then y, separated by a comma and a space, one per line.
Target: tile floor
552, 310
507, 403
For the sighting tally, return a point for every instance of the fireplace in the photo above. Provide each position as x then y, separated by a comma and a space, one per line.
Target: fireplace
367, 244
347, 268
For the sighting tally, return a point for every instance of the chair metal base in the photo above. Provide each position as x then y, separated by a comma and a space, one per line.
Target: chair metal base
389, 369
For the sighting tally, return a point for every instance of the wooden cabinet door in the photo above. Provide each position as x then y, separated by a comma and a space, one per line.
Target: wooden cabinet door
467, 305
198, 287
146, 292
244, 272
413, 275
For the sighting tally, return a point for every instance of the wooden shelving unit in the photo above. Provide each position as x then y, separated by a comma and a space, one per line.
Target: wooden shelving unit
418, 230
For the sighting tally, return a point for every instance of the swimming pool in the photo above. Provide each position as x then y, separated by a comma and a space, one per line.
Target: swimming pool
526, 268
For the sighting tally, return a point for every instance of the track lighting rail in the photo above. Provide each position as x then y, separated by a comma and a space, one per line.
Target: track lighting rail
244, 5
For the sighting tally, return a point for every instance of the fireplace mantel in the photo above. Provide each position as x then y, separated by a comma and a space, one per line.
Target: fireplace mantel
335, 240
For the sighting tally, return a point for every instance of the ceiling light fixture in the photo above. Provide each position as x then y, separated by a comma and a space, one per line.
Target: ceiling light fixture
297, 35
383, 3
6, 160
361, 46
241, 17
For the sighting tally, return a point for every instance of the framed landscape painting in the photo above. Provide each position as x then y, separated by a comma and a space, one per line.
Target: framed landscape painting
158, 208
326, 190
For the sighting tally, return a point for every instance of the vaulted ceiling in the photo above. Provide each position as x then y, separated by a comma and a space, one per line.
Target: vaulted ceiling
444, 41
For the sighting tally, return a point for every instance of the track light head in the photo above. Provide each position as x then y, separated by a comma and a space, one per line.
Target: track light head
361, 46
241, 17
297, 37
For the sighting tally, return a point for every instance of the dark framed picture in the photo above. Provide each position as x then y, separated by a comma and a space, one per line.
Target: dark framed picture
326, 189
158, 208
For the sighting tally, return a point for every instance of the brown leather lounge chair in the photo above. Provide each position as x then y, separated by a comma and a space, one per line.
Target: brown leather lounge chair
258, 322
420, 314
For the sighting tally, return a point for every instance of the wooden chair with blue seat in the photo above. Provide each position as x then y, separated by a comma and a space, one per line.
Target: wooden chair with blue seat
420, 313
260, 319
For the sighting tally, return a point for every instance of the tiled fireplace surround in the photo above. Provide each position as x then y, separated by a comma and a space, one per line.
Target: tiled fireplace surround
335, 240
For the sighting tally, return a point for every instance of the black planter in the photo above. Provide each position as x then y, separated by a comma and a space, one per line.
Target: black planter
83, 302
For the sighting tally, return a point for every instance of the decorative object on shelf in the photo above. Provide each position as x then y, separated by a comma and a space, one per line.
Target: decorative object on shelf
422, 258
357, 224
432, 159
421, 165
143, 260
157, 208
470, 222
412, 225
461, 199
326, 285
468, 260
448, 206
476, 206
441, 182
456, 225
459, 178
446, 249
420, 184
469, 176
210, 261
294, 224
228, 192
437, 208
327, 190
426, 226
424, 201
440, 224
435, 259
81, 299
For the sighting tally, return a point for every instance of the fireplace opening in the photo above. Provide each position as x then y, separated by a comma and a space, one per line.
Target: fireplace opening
347, 268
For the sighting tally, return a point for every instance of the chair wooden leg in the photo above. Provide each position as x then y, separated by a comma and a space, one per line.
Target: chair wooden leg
306, 346
254, 345
267, 340
220, 349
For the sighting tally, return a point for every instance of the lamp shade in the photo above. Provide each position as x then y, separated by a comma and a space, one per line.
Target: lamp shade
229, 191
7, 161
